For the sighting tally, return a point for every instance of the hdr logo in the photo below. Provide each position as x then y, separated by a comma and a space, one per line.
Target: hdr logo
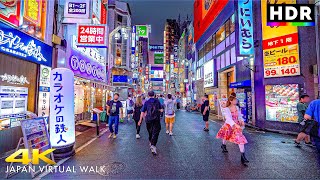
290, 15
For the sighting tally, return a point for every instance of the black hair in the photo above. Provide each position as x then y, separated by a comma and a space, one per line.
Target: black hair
303, 96
129, 95
151, 93
233, 94
116, 94
206, 96
169, 96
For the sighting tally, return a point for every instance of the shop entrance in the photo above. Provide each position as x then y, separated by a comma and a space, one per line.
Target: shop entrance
226, 77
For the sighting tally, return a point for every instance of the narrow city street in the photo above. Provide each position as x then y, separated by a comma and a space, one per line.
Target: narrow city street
193, 154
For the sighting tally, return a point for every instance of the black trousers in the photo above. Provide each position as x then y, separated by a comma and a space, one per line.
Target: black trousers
153, 130
137, 127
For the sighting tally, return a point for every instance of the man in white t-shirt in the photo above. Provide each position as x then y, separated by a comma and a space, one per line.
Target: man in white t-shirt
130, 105
169, 105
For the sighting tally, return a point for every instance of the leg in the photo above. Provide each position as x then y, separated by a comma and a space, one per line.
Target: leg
116, 119
243, 157
300, 137
224, 142
149, 128
223, 146
171, 127
137, 127
167, 126
241, 147
307, 139
207, 124
155, 132
111, 121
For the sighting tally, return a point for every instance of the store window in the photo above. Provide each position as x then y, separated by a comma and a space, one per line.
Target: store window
227, 56
233, 55
220, 35
227, 24
209, 46
232, 24
223, 61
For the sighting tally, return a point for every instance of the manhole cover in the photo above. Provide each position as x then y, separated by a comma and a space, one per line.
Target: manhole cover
112, 168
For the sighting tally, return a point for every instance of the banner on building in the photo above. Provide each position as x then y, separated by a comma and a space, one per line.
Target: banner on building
158, 58
280, 47
245, 44
208, 74
92, 35
142, 31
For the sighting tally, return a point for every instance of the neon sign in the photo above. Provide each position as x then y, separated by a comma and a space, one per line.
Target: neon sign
18, 44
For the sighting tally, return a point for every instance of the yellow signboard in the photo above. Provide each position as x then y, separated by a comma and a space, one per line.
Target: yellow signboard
280, 46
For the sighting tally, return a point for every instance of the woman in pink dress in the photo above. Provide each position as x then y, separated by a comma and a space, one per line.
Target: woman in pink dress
232, 128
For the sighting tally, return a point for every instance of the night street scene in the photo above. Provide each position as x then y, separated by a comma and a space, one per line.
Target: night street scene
159, 89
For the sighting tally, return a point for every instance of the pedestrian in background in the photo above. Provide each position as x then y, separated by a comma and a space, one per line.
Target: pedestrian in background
232, 129
169, 105
136, 115
151, 111
114, 109
205, 112
178, 101
161, 100
305, 125
313, 114
130, 104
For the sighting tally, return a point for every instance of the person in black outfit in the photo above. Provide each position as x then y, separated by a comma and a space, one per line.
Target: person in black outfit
137, 114
151, 111
205, 111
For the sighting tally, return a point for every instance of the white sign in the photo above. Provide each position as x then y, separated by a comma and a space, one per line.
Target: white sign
62, 125
44, 90
15, 90
76, 9
14, 79
208, 74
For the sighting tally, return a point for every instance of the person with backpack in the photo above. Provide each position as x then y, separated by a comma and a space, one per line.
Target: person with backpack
114, 108
169, 105
130, 104
137, 113
151, 111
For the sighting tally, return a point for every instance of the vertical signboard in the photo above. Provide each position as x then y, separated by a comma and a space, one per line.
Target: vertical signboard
280, 47
208, 74
142, 31
92, 35
62, 125
245, 28
44, 90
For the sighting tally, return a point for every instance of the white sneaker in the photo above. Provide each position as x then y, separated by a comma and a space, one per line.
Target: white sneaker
167, 132
137, 136
170, 133
110, 135
153, 150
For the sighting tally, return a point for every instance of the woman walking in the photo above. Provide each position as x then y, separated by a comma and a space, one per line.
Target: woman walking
136, 114
232, 129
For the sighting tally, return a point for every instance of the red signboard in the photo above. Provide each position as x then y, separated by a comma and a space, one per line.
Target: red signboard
104, 13
92, 35
285, 40
205, 13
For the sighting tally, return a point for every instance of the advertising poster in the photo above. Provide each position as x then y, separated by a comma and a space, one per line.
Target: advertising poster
280, 46
10, 11
158, 58
208, 74
44, 91
281, 102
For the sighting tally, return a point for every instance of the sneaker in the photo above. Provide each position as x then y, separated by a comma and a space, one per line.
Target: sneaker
297, 144
170, 133
153, 150
205, 129
137, 136
167, 132
110, 135
114, 136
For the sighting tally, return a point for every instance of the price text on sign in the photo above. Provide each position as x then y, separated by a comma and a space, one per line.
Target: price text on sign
91, 35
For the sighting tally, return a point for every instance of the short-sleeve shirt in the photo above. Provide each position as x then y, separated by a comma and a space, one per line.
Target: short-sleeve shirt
204, 105
128, 104
115, 107
301, 108
314, 110
151, 100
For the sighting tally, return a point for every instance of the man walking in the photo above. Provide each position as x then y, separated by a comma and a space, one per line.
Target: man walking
205, 112
313, 112
169, 114
305, 130
151, 111
130, 104
114, 108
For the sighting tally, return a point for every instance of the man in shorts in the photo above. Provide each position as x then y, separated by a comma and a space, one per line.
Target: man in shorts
169, 105
205, 112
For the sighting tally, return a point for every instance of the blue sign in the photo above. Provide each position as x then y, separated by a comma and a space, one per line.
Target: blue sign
120, 79
23, 46
246, 83
156, 47
245, 28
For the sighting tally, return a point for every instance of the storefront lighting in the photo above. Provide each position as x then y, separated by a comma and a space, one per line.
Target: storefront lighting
117, 36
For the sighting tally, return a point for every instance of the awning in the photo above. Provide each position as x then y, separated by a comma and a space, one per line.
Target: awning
241, 84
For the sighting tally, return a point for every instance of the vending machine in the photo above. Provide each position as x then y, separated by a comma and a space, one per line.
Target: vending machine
245, 103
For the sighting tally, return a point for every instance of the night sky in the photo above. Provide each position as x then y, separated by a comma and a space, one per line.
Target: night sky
155, 12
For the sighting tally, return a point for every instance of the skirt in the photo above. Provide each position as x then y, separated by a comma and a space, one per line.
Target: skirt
233, 135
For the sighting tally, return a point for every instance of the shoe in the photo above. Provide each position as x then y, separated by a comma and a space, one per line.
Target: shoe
110, 135
167, 132
171, 134
153, 150
297, 143
244, 160
137, 136
224, 148
114, 136
205, 129
308, 143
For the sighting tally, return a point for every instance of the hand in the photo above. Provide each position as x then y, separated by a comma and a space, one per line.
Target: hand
204, 114
237, 126
108, 114
139, 123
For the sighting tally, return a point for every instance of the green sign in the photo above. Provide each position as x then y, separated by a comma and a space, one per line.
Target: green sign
158, 58
142, 30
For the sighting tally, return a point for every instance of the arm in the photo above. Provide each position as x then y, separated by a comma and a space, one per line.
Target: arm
121, 110
309, 113
143, 110
108, 110
228, 116
206, 108
161, 107
240, 116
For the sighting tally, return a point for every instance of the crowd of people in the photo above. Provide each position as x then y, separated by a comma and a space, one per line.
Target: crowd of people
153, 108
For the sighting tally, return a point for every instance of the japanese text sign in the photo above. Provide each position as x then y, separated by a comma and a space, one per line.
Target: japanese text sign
76, 9
245, 31
209, 74
20, 45
62, 125
280, 47
44, 90
142, 31
92, 35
